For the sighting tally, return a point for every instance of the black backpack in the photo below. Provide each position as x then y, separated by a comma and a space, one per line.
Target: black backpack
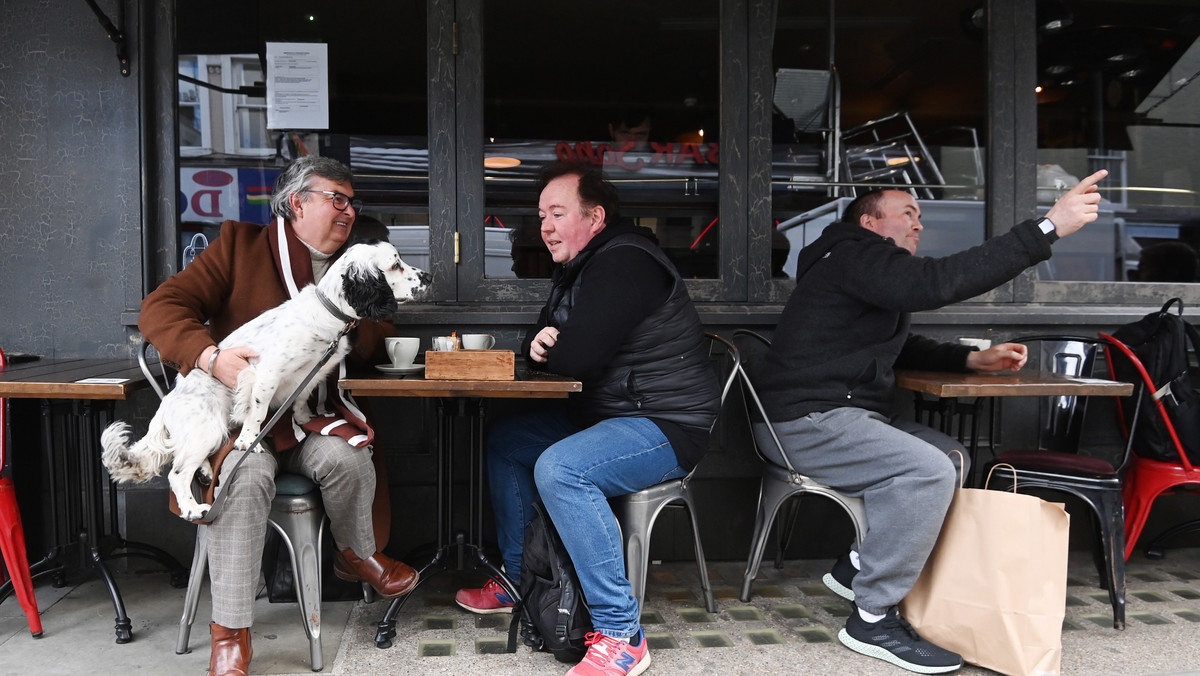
552, 612
1164, 343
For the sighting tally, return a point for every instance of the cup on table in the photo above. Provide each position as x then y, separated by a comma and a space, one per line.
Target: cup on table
981, 343
402, 351
478, 341
445, 343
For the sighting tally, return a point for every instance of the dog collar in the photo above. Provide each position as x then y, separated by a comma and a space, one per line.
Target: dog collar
334, 310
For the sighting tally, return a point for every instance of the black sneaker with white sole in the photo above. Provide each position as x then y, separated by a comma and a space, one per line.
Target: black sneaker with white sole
840, 577
893, 640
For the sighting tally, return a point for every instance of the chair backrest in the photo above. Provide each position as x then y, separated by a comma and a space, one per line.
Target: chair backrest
768, 446
1062, 416
1129, 423
155, 370
804, 97
3, 421
729, 366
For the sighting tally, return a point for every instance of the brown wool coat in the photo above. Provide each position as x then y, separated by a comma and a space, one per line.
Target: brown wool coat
231, 282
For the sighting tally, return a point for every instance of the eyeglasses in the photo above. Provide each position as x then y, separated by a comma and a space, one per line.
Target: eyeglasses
340, 201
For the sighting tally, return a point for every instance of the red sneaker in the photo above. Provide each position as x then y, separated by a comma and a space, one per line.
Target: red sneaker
491, 599
608, 656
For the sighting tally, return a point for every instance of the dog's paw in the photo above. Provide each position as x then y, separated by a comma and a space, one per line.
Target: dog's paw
244, 440
194, 513
204, 474
301, 415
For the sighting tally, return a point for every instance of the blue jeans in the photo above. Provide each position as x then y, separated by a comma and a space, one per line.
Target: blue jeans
574, 471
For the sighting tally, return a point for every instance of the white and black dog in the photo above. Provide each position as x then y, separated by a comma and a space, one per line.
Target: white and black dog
194, 419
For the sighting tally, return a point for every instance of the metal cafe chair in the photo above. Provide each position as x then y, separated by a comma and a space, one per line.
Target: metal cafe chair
1148, 478
780, 480
636, 512
1057, 464
296, 514
12, 532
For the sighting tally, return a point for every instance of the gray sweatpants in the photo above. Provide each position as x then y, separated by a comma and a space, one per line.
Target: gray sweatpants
235, 538
901, 471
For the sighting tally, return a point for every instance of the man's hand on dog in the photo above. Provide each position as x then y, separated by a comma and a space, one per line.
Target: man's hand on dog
229, 364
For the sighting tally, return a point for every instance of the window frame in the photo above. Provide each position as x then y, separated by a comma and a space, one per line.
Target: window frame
202, 105
231, 71
456, 151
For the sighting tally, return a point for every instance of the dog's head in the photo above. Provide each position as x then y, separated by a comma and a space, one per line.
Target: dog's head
375, 280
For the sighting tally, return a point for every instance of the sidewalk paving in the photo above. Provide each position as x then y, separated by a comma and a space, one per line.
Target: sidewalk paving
790, 626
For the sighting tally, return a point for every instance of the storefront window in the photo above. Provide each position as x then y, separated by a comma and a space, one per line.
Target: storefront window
377, 113
1117, 89
878, 94
631, 87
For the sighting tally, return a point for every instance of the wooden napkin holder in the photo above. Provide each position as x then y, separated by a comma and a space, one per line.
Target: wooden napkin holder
469, 365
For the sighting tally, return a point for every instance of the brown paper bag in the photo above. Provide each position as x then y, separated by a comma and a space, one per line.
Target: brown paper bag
995, 586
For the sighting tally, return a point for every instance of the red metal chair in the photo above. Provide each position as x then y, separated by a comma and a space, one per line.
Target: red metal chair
12, 533
1146, 479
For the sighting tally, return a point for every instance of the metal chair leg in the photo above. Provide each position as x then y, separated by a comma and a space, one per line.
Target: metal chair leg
195, 582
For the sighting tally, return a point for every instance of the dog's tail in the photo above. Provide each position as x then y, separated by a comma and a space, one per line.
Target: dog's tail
137, 463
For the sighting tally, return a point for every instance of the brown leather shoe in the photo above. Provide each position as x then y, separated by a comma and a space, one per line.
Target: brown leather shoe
231, 651
389, 577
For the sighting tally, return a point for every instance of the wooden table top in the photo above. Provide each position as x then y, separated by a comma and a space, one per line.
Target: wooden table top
72, 379
1007, 384
526, 386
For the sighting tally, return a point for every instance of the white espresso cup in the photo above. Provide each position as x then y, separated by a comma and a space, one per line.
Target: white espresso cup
478, 341
402, 351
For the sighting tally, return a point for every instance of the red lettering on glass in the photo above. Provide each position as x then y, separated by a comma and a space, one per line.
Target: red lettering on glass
691, 150
210, 197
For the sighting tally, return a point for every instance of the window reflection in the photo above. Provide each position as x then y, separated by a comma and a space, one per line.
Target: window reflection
627, 85
377, 105
1117, 90
877, 94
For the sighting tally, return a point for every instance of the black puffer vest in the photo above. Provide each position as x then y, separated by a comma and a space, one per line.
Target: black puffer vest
662, 370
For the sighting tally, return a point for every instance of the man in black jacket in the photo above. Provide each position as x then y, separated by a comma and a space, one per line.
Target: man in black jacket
619, 319
828, 380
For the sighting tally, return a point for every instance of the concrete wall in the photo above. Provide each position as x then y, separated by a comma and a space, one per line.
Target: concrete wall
70, 190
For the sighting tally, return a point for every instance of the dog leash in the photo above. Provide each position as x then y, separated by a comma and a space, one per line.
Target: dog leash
219, 499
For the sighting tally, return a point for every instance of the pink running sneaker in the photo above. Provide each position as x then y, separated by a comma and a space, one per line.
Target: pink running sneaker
608, 656
491, 599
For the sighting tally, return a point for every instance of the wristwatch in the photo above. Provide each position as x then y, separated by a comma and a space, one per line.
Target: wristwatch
1046, 225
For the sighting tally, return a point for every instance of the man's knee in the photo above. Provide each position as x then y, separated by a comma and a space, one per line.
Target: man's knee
255, 475
549, 471
333, 456
943, 479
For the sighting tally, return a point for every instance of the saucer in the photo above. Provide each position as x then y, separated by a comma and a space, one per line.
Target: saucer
400, 370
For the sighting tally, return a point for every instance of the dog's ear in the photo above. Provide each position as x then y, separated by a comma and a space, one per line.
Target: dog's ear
367, 291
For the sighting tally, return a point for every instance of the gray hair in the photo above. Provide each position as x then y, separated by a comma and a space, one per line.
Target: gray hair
297, 177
